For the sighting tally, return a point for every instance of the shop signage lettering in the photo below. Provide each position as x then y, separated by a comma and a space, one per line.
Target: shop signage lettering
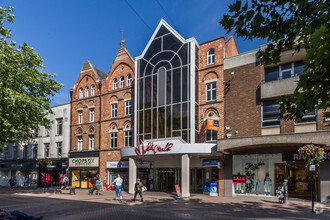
300, 157
141, 149
239, 178
84, 162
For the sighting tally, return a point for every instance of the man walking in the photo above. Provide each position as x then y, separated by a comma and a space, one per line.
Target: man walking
138, 189
118, 182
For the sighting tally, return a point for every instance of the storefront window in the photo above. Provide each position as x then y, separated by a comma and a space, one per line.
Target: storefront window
76, 178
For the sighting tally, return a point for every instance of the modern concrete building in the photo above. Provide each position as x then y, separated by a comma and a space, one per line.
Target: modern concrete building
256, 142
53, 146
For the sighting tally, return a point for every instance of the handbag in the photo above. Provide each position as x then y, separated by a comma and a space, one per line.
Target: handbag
144, 188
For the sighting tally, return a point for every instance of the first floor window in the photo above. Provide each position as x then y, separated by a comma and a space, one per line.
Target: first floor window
270, 111
80, 143
35, 151
59, 149
211, 135
15, 153
59, 126
211, 91
25, 152
129, 80
91, 115
91, 142
114, 110
128, 139
113, 140
81, 93
309, 117
80, 117
47, 150
92, 90
128, 107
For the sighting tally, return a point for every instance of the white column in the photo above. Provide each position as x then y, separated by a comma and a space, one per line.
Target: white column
185, 175
132, 175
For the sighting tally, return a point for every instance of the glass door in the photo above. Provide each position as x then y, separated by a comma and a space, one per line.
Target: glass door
84, 179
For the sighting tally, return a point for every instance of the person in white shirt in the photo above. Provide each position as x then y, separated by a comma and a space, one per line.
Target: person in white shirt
118, 181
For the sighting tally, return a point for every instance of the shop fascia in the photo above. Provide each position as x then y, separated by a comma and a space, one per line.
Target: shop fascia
84, 162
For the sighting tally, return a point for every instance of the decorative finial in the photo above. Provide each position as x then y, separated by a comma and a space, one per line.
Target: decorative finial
122, 42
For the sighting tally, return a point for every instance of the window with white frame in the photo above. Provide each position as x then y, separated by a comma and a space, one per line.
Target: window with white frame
270, 111
122, 82
114, 110
92, 90
284, 71
309, 117
211, 56
128, 139
81, 93
91, 114
128, 107
115, 82
80, 143
129, 80
86, 92
46, 150
211, 135
35, 151
91, 142
47, 132
211, 91
59, 149
59, 126
113, 139
80, 117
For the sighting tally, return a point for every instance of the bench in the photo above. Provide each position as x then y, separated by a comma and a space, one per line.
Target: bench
72, 189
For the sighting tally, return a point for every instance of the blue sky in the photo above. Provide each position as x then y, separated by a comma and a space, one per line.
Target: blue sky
66, 33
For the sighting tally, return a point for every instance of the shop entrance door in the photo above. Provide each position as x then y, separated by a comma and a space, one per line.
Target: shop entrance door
196, 180
299, 179
168, 178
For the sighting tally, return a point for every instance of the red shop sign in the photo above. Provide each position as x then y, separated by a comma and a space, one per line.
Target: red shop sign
239, 178
140, 150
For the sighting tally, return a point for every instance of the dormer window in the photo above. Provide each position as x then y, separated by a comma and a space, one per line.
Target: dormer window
81, 94
115, 83
86, 92
92, 90
129, 80
122, 82
211, 56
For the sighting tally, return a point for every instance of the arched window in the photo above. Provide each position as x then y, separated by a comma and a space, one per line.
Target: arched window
81, 94
211, 56
92, 90
129, 80
122, 82
86, 91
115, 82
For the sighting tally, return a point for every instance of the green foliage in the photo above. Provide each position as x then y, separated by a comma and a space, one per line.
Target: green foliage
26, 90
290, 25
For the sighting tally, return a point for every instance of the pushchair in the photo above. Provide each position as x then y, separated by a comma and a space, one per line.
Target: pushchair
280, 195
91, 191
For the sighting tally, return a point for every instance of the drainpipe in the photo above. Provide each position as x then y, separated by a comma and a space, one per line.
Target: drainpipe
100, 92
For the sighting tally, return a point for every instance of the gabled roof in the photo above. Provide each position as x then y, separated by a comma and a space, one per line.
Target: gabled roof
98, 73
160, 28
121, 55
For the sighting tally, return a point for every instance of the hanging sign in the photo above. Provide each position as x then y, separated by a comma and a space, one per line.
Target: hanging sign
312, 168
213, 124
239, 178
141, 149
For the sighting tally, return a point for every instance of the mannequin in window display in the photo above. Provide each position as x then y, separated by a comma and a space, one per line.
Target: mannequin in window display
267, 184
248, 185
238, 186
257, 187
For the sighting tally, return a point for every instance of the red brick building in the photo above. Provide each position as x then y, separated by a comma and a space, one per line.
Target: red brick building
101, 115
256, 142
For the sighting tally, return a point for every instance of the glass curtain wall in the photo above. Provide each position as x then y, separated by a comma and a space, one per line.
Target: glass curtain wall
163, 85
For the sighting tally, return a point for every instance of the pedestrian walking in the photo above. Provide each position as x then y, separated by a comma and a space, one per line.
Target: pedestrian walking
138, 189
285, 190
118, 184
25, 182
11, 183
98, 186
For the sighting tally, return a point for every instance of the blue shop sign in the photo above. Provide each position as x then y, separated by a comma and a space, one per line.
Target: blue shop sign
210, 162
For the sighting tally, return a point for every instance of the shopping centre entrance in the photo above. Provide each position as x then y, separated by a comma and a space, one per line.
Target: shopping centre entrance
299, 179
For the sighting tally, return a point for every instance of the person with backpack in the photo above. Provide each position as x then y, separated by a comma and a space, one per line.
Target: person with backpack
138, 189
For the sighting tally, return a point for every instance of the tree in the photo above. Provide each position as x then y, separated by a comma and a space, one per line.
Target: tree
26, 90
290, 25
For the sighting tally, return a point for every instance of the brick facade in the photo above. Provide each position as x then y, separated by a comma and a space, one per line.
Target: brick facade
105, 95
